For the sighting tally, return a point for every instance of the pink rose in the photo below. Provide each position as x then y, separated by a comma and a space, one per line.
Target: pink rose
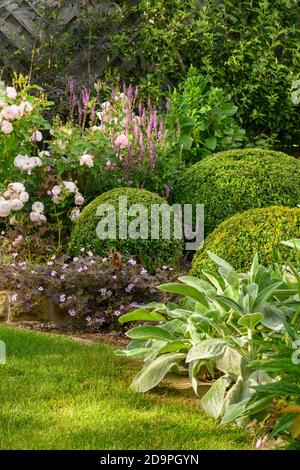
56, 190
36, 136
24, 196
4, 208
11, 92
121, 141
25, 107
7, 127
79, 199
87, 160
16, 205
10, 112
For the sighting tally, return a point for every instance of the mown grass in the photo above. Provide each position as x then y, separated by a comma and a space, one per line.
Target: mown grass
56, 393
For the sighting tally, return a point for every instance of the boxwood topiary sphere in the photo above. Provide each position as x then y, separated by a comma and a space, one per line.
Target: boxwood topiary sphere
150, 252
238, 238
237, 180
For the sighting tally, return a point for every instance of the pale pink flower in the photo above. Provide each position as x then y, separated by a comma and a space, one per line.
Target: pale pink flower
25, 107
16, 205
10, 112
6, 127
79, 199
4, 208
38, 207
24, 196
36, 136
56, 190
121, 141
11, 92
70, 186
17, 187
75, 213
87, 160
17, 240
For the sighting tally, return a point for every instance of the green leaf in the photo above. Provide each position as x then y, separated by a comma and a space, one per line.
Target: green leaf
150, 332
283, 424
153, 373
139, 353
141, 314
265, 294
281, 388
206, 349
294, 243
233, 395
220, 262
199, 284
186, 142
176, 345
185, 290
231, 304
213, 400
211, 142
244, 408
273, 317
229, 109
250, 320
230, 362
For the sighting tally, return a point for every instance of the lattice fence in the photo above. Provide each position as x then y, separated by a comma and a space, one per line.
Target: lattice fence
22, 28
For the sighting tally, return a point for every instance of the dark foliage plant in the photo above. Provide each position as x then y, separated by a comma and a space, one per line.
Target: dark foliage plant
87, 288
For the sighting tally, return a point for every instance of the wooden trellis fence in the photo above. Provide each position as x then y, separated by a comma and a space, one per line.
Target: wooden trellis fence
22, 28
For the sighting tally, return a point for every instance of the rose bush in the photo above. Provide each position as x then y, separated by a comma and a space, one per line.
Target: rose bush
21, 124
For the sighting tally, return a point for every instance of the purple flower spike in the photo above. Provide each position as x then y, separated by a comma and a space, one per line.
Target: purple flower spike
168, 105
85, 96
72, 86
129, 93
140, 108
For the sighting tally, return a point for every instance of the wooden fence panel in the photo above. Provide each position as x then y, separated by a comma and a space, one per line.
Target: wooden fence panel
22, 27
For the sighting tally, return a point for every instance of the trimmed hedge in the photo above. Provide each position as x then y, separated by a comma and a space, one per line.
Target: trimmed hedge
238, 180
151, 253
238, 238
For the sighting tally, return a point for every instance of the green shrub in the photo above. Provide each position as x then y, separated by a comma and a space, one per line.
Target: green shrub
249, 48
151, 253
237, 180
205, 116
254, 231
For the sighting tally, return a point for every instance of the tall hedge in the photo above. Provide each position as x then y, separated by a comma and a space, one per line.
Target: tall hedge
151, 253
255, 231
237, 180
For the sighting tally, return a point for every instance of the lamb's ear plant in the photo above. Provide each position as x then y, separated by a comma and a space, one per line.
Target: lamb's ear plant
282, 363
224, 321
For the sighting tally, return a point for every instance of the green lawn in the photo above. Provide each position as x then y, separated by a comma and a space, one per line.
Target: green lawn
56, 393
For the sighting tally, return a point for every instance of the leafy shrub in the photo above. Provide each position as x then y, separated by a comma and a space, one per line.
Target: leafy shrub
205, 117
222, 323
21, 123
249, 48
237, 180
151, 253
125, 137
241, 236
87, 288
